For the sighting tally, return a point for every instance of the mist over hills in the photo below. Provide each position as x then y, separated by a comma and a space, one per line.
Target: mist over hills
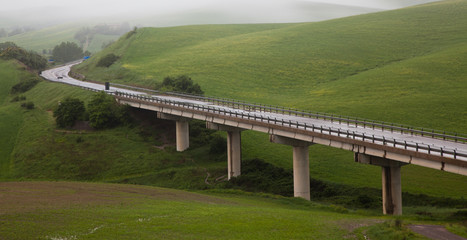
49, 13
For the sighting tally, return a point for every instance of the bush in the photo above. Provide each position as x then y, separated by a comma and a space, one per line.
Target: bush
24, 85
68, 112
181, 83
18, 98
31, 59
107, 60
218, 145
104, 112
67, 51
28, 105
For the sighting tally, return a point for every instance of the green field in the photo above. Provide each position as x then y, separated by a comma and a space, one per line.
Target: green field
104, 211
404, 66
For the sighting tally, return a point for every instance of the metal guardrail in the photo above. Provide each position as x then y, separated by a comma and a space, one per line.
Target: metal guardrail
418, 147
357, 122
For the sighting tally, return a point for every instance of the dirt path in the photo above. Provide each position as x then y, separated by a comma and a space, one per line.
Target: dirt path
435, 232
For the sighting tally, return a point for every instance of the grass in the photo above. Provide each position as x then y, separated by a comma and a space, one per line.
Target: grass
11, 114
97, 211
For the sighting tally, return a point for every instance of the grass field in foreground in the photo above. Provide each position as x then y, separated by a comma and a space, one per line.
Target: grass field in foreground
68, 210
101, 211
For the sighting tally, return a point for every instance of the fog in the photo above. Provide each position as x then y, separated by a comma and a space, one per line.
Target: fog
185, 12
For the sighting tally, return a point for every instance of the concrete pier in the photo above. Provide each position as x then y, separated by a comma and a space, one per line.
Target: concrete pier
391, 181
234, 148
183, 135
301, 164
182, 130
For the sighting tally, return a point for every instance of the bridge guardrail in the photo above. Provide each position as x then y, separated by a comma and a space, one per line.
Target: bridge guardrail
424, 148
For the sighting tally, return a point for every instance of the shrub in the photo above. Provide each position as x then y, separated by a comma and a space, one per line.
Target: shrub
218, 145
181, 83
107, 60
104, 112
18, 98
24, 85
69, 111
28, 105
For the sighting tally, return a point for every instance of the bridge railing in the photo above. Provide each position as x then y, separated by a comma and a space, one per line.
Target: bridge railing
251, 115
356, 122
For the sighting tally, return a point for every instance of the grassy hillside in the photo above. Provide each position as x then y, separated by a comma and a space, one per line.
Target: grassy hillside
11, 116
404, 66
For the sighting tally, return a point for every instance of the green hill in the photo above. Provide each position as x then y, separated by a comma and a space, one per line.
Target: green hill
48, 38
404, 66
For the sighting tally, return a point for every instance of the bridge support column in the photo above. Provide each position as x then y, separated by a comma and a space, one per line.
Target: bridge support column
301, 164
234, 148
391, 181
182, 130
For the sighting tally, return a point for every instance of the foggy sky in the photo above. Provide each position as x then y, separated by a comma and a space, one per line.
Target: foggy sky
126, 5
184, 12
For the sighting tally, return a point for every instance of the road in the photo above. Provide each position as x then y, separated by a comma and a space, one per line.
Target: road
446, 149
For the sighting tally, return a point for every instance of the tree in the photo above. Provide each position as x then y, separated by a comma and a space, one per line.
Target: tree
107, 60
181, 83
31, 59
67, 51
69, 111
105, 112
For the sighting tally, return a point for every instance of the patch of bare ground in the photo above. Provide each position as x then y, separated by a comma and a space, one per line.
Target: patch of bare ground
20, 197
351, 225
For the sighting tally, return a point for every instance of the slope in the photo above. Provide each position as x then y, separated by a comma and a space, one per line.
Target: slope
11, 117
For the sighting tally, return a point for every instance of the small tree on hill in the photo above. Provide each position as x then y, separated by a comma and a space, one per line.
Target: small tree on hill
105, 112
69, 111
181, 83
67, 51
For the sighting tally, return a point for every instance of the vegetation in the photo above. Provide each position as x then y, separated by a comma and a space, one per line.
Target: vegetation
182, 83
68, 112
105, 112
33, 60
67, 52
107, 60
24, 85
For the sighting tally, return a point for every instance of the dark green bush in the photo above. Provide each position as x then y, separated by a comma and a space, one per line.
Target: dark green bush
25, 85
105, 112
218, 145
181, 83
18, 98
69, 111
107, 60
28, 105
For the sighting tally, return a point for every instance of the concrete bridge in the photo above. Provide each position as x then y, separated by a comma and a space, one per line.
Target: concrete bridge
385, 145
